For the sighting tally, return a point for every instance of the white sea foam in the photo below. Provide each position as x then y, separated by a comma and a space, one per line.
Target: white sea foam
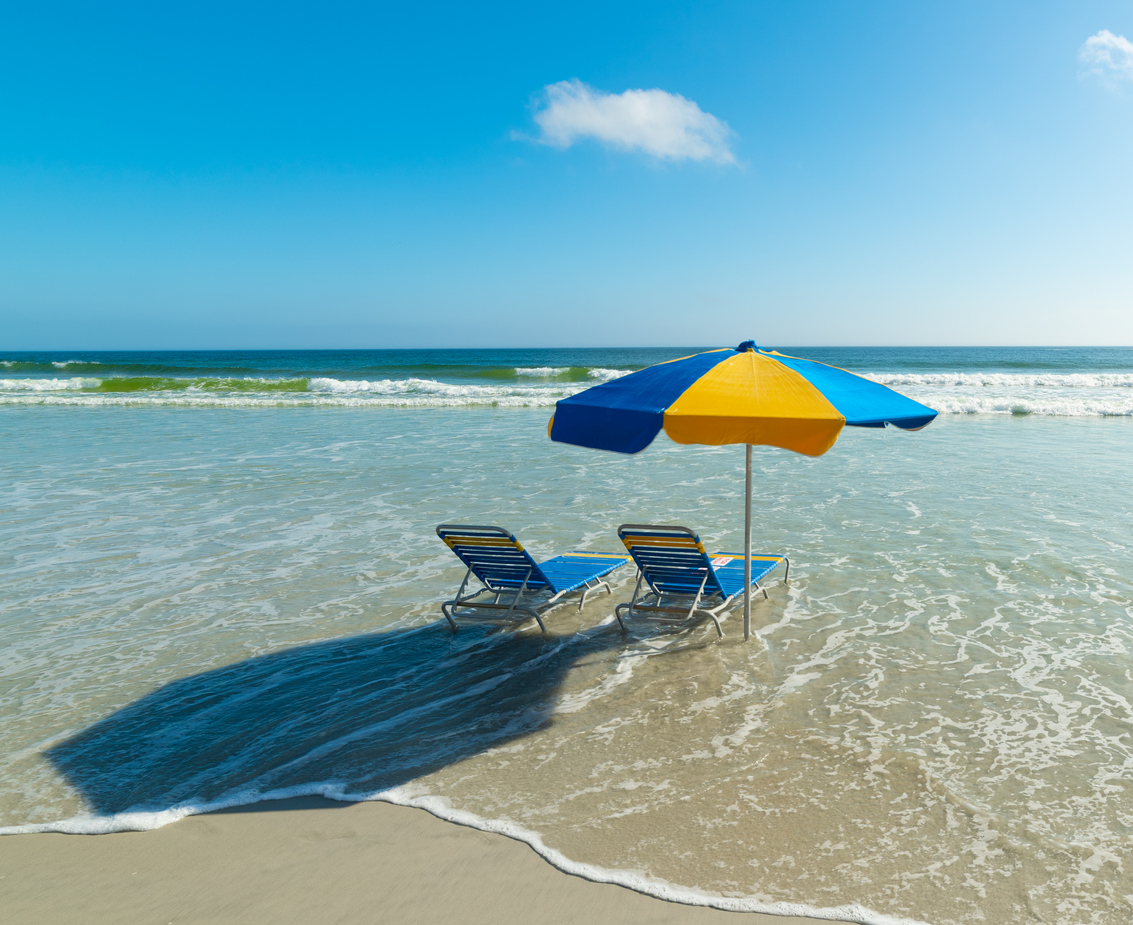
344, 398
1043, 394
1054, 406
1008, 380
411, 392
147, 820
1065, 395
417, 386
48, 385
541, 370
607, 374
633, 880
426, 392
381, 387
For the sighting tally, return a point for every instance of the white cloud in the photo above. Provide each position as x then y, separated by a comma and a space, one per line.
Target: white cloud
664, 125
1108, 56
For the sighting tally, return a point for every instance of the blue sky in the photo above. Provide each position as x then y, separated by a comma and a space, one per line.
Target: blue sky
335, 175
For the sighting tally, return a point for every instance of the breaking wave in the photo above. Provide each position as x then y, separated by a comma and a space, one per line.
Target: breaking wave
1007, 380
570, 373
1092, 394
238, 366
201, 392
1086, 394
48, 385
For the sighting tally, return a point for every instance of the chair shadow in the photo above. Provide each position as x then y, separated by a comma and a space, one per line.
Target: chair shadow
366, 713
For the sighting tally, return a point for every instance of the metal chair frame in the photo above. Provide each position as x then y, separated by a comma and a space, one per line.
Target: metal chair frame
534, 610
502, 553
682, 607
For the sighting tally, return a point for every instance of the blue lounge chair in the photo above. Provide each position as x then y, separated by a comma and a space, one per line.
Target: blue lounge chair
681, 579
504, 567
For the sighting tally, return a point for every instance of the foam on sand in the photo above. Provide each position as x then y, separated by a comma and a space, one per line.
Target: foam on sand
143, 821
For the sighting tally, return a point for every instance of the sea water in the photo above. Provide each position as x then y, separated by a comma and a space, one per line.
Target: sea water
221, 584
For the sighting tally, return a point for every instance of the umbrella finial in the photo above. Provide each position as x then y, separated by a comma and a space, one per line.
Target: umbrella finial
748, 346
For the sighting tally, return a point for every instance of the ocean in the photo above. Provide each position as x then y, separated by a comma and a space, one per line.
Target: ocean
221, 584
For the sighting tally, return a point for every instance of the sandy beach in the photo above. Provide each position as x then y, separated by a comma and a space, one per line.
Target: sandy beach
314, 860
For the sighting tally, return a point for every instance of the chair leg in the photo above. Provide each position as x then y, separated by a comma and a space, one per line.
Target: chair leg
459, 595
629, 606
696, 600
518, 594
534, 615
585, 591
598, 584
530, 610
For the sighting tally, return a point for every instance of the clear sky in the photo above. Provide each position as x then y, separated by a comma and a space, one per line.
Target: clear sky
382, 175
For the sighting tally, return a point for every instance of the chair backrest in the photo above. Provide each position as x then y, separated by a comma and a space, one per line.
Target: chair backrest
496, 557
672, 559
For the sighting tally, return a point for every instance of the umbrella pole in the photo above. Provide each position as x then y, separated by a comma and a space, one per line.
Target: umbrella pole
747, 545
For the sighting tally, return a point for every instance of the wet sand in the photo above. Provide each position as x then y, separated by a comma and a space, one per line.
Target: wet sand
314, 860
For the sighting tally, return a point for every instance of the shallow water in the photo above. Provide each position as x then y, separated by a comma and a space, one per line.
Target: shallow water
934, 719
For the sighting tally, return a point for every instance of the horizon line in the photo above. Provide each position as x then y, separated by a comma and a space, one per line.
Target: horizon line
1067, 346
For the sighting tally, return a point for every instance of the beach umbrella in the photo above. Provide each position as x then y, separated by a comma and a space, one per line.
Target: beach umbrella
747, 395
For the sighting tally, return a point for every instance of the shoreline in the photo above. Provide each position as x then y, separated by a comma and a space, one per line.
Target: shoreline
318, 860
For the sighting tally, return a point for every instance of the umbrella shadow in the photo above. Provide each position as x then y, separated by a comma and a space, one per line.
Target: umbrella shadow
365, 713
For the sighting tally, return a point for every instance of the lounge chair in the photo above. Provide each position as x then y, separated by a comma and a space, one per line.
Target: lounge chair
682, 580
504, 567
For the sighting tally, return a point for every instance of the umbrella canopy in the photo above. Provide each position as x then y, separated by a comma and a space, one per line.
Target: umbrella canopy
746, 395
